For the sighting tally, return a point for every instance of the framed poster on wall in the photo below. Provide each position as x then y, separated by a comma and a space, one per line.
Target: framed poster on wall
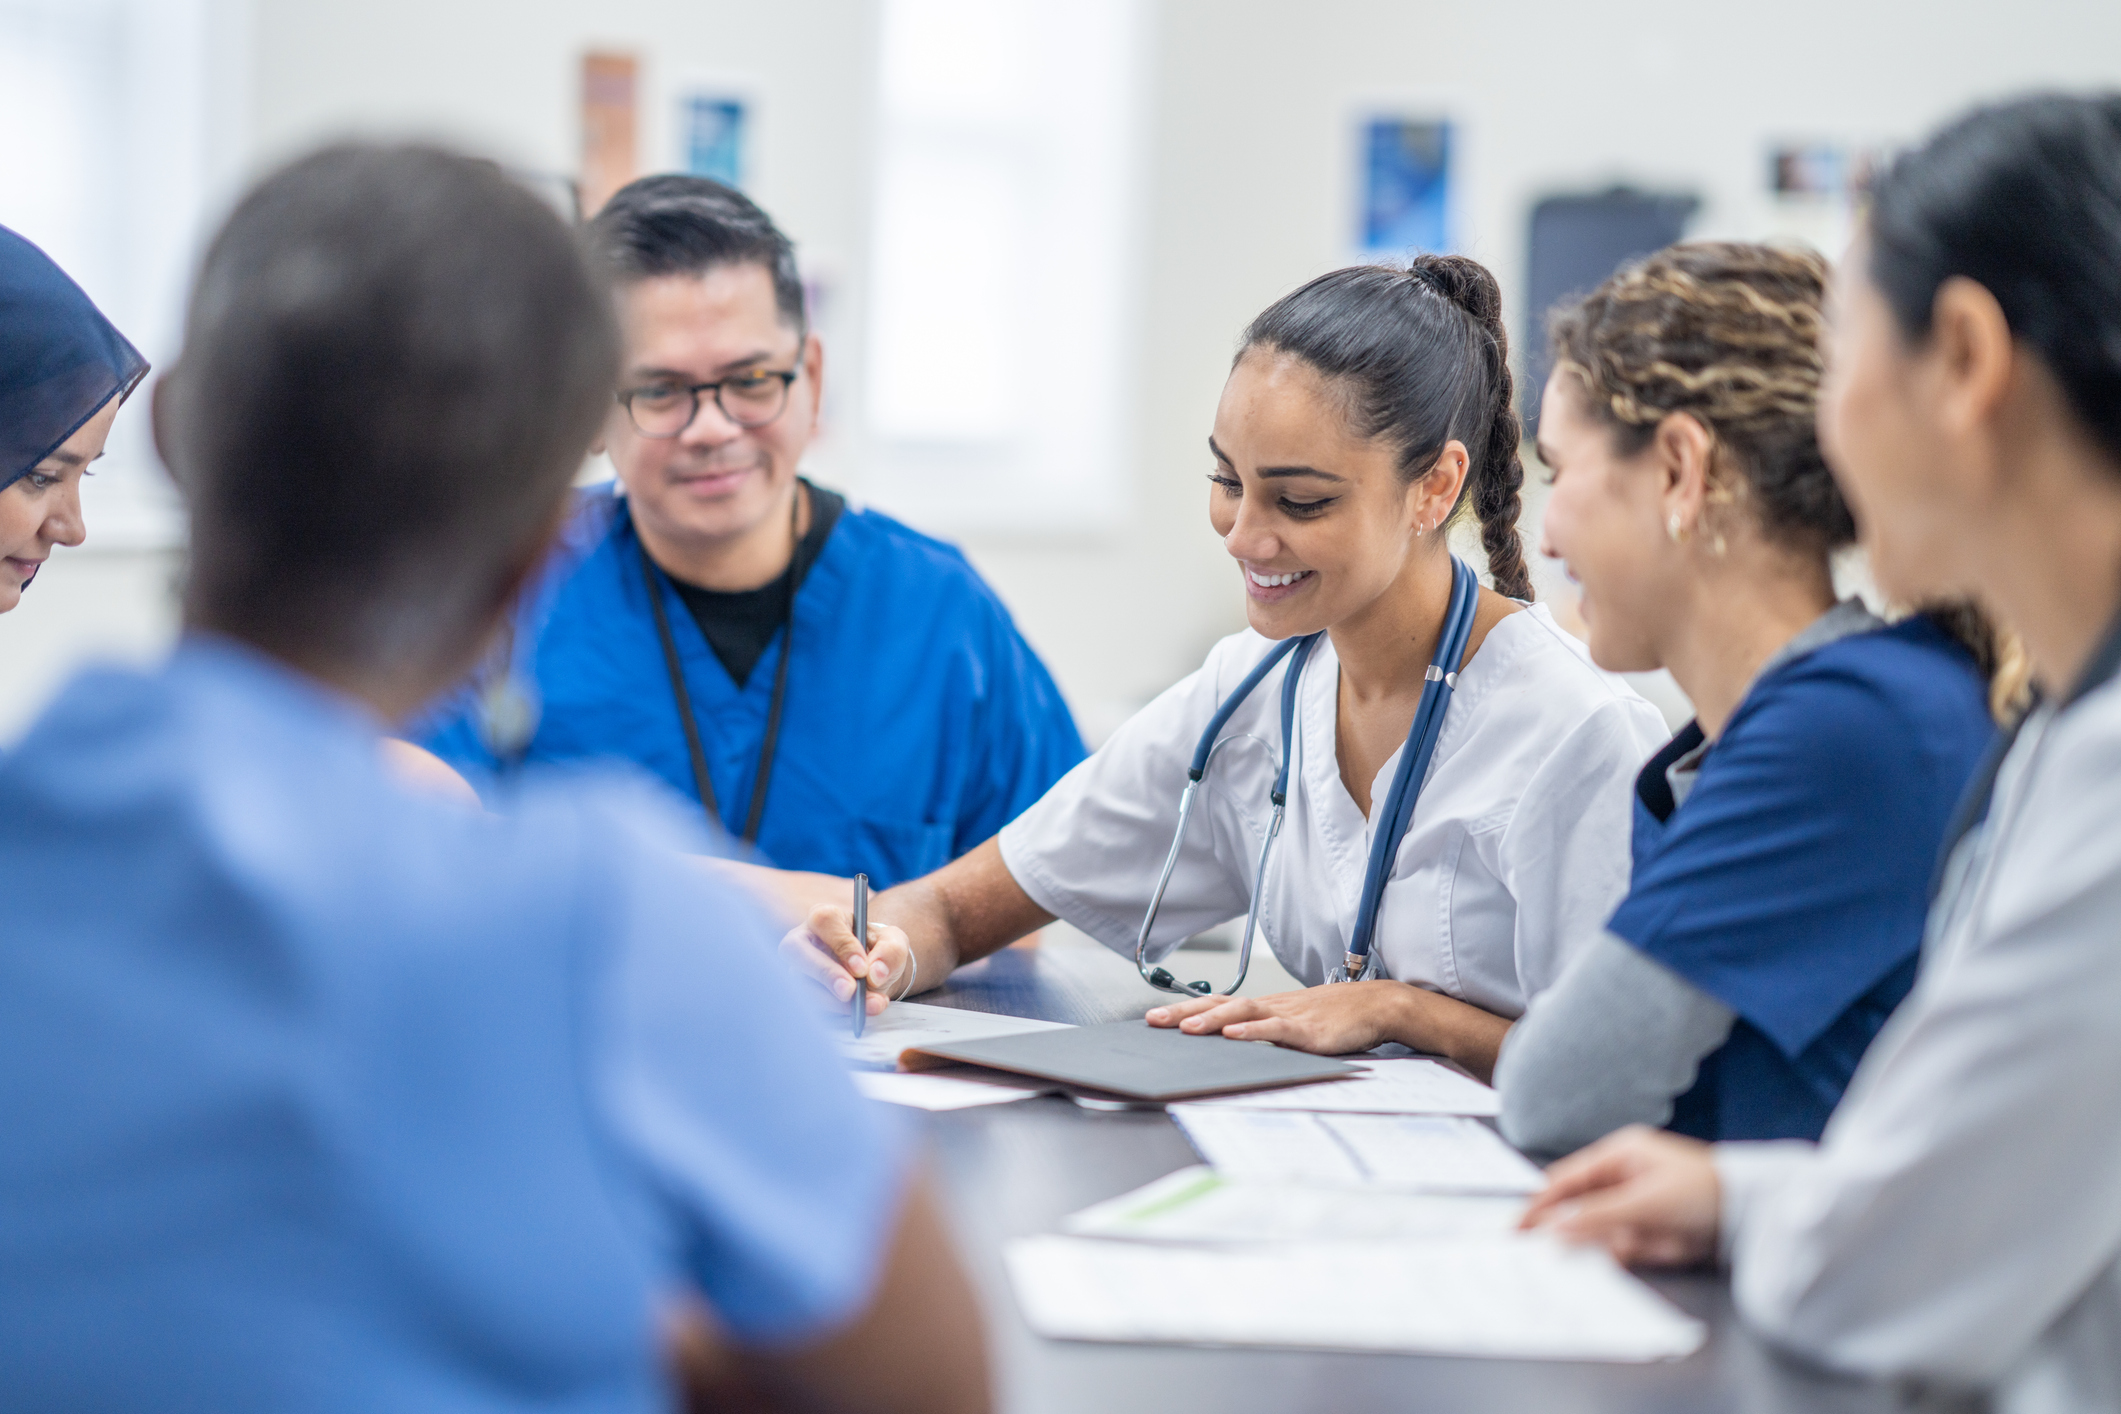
713, 132
1404, 196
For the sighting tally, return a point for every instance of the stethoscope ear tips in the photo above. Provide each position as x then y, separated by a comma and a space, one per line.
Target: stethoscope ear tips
1199, 987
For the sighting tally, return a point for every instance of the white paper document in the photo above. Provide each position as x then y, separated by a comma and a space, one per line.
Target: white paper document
1200, 1205
926, 1090
907, 1026
1523, 1297
1405, 1086
1421, 1153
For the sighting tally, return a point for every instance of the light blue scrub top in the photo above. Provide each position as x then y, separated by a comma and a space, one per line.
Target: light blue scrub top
917, 723
320, 1095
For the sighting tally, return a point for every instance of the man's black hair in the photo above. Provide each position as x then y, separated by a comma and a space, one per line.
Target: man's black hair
673, 224
394, 362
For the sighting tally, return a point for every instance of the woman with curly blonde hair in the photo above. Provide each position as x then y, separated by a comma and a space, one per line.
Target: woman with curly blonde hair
1783, 840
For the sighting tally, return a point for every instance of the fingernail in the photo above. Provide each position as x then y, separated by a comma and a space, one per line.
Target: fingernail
843, 989
1158, 1013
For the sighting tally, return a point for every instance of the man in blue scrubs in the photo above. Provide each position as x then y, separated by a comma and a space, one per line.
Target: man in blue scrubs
843, 691
320, 1094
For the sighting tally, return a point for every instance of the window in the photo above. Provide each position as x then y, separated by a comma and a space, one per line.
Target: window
1002, 262
104, 160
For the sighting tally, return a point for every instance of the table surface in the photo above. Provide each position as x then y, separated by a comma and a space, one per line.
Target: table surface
1014, 1170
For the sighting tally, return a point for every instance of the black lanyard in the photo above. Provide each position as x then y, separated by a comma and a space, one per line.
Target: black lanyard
700, 782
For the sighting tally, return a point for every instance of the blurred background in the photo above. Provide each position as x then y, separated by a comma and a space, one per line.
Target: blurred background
1032, 229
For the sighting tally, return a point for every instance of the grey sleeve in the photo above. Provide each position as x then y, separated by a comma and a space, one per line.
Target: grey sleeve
1615, 1040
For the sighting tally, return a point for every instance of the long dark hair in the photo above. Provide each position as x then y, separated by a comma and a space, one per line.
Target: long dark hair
1422, 352
2024, 199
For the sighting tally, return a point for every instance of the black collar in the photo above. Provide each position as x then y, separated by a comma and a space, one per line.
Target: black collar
1653, 787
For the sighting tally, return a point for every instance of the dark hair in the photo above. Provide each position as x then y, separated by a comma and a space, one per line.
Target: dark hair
2024, 199
673, 224
394, 362
1422, 352
1728, 333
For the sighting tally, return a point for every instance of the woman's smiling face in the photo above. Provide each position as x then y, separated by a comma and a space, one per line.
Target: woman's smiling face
1606, 521
1317, 517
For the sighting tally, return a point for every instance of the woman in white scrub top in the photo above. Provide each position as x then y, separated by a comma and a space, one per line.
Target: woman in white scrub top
1362, 413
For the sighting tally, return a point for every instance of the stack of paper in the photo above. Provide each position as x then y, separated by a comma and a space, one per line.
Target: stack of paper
1521, 1297
906, 1026
1408, 1086
1420, 1153
1201, 1205
1367, 1214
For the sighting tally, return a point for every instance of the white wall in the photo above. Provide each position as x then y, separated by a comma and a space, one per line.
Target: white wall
1248, 193
503, 77
1251, 192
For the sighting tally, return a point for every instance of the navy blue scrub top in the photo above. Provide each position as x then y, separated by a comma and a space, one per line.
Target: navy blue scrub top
917, 722
1792, 885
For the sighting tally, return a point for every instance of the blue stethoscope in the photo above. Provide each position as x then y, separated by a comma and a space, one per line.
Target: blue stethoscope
1360, 962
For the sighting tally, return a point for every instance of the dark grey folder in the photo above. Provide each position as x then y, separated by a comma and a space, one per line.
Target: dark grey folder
1137, 1061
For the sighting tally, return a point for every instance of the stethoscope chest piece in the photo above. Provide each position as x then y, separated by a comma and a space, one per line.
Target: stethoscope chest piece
1356, 967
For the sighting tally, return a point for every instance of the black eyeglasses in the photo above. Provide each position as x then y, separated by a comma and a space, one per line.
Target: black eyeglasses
748, 400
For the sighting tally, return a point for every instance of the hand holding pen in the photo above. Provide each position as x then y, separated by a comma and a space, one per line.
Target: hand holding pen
827, 949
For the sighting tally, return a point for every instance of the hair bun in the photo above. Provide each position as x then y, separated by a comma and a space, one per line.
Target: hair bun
1465, 283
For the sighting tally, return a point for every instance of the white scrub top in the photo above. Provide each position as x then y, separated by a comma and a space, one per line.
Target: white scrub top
1516, 853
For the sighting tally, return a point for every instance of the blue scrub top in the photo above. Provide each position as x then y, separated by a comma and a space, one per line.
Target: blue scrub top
1792, 885
918, 722
318, 1094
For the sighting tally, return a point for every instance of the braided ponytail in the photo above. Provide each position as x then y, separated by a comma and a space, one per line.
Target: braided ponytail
1497, 477
1423, 352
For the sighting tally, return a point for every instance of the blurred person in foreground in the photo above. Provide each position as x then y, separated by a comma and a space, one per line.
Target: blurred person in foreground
321, 1093
1959, 1222
64, 371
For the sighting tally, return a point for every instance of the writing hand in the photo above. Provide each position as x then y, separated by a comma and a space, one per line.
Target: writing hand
823, 949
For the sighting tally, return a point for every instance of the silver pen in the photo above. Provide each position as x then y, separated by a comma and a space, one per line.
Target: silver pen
861, 937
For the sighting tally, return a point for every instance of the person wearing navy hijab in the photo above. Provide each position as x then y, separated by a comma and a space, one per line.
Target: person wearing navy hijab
1784, 839
837, 689
63, 372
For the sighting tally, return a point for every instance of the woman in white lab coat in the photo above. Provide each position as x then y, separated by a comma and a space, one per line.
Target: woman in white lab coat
1960, 1219
1363, 411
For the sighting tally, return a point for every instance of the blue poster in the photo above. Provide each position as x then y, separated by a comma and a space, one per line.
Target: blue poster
1406, 186
713, 135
